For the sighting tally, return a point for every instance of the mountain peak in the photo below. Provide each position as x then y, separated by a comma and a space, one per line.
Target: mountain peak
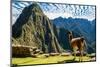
33, 28
34, 7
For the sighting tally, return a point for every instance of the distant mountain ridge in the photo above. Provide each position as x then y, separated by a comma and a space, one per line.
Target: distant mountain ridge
79, 27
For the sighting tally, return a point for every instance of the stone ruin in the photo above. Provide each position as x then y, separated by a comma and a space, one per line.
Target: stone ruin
24, 51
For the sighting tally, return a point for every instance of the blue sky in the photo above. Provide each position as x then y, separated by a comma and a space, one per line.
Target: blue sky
54, 10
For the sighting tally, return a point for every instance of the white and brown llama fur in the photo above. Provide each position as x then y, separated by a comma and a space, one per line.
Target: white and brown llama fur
77, 44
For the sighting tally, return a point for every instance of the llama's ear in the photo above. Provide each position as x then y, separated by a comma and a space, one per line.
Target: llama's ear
69, 32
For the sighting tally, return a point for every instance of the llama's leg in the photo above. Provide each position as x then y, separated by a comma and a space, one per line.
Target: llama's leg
74, 54
81, 56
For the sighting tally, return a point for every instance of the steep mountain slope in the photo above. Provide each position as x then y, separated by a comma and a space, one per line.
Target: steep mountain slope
33, 28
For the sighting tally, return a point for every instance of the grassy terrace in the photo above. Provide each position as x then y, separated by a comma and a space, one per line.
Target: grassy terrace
41, 59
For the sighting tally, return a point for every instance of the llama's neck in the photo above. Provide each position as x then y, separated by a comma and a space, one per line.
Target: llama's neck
71, 37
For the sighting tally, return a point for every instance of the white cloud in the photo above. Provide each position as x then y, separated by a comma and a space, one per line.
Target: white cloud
66, 15
68, 10
55, 15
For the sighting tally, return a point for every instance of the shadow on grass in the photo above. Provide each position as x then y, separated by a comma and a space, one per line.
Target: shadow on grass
73, 61
68, 61
14, 65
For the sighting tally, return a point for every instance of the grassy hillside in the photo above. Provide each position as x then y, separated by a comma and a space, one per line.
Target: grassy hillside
41, 59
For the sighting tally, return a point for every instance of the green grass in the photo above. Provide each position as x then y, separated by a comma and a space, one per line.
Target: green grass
43, 60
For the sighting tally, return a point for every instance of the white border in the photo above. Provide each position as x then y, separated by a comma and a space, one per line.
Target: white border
5, 33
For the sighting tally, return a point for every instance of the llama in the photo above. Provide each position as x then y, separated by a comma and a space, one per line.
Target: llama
77, 44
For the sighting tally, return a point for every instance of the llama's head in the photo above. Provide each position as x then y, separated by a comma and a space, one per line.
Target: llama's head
70, 36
